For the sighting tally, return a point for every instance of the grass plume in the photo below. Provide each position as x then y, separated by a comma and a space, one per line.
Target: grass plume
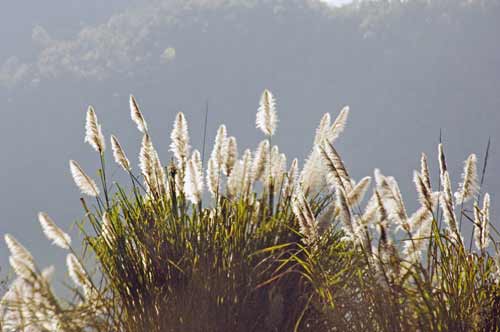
272, 247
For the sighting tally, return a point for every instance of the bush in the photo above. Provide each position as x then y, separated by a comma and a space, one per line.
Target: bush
266, 248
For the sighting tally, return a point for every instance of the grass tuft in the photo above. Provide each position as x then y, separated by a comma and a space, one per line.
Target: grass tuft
264, 249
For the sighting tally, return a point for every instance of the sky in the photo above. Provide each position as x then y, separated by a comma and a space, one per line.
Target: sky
403, 86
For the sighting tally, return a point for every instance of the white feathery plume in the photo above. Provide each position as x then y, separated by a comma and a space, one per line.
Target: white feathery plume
53, 232
340, 167
486, 221
193, 186
385, 248
180, 140
280, 171
25, 307
424, 194
52, 322
338, 125
147, 160
22, 268
291, 179
136, 116
151, 167
381, 210
93, 133
216, 161
19, 252
478, 227
419, 217
160, 176
15, 312
261, 160
231, 155
345, 213
196, 157
400, 211
357, 194
424, 171
323, 129
11, 317
388, 189
235, 180
330, 172
361, 236
42, 299
469, 186
448, 207
219, 150
313, 173
78, 274
317, 169
421, 224
10, 294
246, 173
119, 155
267, 118
380, 180
307, 222
482, 227
370, 210
383, 186
336, 172
275, 168
278, 167
212, 177
82, 180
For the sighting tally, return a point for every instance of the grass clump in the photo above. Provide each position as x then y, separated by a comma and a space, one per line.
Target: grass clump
266, 247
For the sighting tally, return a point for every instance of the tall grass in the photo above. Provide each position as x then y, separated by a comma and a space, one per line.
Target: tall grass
265, 247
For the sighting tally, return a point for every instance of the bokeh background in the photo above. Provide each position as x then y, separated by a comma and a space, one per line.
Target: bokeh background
408, 69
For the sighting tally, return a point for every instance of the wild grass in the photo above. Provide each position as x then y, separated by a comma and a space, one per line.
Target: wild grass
265, 247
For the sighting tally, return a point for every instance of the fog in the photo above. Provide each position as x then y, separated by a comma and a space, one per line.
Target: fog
407, 70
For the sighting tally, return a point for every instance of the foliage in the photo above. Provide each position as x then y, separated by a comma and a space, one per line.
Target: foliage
267, 248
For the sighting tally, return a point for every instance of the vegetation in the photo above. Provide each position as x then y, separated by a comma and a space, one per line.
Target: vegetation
266, 248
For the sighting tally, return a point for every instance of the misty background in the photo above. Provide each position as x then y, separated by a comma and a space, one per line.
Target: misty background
406, 68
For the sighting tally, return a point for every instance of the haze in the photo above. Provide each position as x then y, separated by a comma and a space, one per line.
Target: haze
407, 70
